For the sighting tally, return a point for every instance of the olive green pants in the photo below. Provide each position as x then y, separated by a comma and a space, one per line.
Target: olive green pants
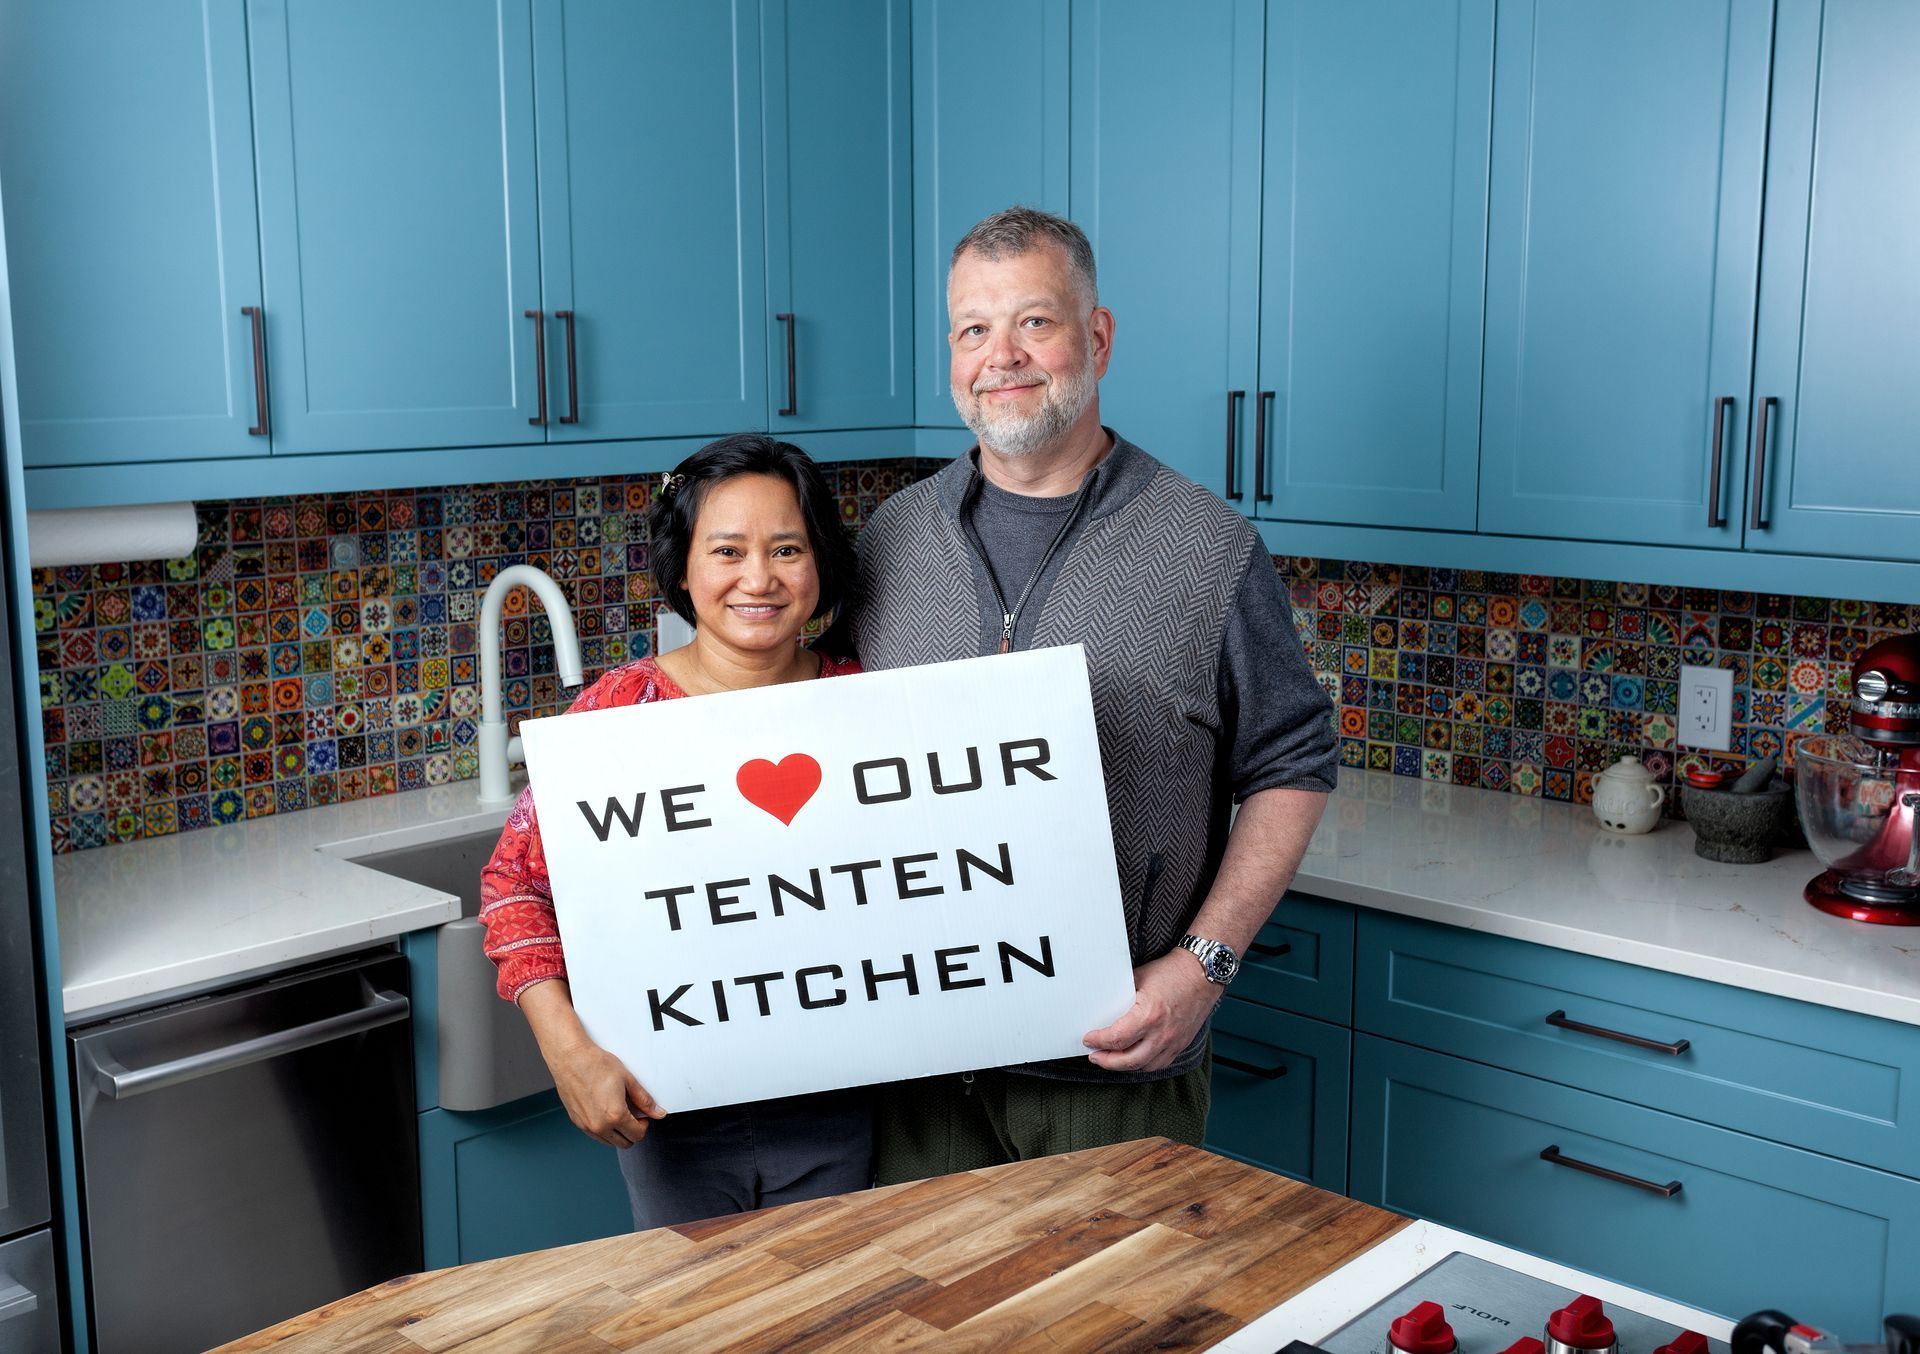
963, 1121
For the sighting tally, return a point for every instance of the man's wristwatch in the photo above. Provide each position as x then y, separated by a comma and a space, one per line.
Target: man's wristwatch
1217, 960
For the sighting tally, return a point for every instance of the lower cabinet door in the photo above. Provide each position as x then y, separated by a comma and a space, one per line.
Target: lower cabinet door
1751, 1224
1280, 1093
514, 1179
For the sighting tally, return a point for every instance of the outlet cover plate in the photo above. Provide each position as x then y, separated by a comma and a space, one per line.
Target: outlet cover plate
1706, 707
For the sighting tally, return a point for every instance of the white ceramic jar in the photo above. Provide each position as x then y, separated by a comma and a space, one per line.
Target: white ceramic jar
1626, 798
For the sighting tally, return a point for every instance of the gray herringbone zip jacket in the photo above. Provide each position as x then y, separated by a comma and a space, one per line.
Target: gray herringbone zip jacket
1146, 581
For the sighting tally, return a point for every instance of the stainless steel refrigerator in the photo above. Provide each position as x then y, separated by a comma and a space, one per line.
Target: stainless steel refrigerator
29, 1299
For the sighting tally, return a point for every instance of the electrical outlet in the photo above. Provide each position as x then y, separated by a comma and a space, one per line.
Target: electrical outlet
1706, 707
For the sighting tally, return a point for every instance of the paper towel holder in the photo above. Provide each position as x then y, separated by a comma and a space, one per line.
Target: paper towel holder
63, 536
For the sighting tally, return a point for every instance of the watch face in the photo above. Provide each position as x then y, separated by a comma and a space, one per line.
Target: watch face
1221, 964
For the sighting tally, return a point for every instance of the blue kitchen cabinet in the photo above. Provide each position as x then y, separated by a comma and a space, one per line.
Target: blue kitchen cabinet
1707, 1216
397, 220
1832, 1081
1372, 263
1171, 205
1629, 142
1839, 287
990, 111
839, 150
1301, 960
126, 161
652, 229
512, 1179
1280, 1088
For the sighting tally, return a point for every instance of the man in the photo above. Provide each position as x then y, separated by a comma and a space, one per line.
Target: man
1054, 530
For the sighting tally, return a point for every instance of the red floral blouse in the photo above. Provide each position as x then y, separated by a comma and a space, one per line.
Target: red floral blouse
516, 901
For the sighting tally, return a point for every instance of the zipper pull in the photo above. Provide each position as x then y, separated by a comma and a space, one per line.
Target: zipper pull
1006, 632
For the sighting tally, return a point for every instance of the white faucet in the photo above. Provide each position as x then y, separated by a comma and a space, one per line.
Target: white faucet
496, 749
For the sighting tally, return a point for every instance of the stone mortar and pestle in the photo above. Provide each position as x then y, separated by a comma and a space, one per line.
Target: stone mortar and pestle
1740, 825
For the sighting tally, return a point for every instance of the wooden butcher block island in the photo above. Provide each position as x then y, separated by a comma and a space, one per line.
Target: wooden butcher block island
1146, 1245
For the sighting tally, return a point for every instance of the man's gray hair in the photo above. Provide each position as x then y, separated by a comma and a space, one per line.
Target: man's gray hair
1014, 231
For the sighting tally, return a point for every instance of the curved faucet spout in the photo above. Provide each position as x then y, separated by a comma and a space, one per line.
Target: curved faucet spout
494, 744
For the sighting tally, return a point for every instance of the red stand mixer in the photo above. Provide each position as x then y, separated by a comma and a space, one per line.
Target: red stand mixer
1859, 794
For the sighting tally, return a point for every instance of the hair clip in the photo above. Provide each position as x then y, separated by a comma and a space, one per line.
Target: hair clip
670, 483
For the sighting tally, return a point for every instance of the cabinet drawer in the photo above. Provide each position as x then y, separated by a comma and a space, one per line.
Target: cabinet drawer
1302, 960
1753, 1224
1830, 1080
1289, 1113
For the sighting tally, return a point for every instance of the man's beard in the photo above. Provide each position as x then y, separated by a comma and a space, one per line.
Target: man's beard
1063, 400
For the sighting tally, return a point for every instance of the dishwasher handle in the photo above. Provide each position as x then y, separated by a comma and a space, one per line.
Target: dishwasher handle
119, 1082
15, 1300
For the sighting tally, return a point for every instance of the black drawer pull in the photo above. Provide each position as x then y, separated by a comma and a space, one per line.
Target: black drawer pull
258, 318
573, 371
1552, 1154
793, 385
539, 419
1271, 951
1234, 397
1676, 1048
1264, 1073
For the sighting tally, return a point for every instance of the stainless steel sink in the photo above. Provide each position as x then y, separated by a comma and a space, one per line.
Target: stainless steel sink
487, 1053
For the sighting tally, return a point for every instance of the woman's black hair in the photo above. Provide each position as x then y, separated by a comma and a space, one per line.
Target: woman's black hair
676, 508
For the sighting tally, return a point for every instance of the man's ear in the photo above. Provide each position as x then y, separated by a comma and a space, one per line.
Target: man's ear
1100, 330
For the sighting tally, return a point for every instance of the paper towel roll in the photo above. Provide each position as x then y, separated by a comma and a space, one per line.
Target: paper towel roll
57, 536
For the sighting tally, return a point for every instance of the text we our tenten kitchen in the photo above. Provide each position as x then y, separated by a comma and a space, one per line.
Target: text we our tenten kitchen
831, 884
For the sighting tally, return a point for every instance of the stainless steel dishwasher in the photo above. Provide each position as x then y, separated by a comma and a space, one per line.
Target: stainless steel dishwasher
247, 1155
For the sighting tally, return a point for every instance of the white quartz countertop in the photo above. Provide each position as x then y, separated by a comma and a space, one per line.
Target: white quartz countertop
1545, 872
157, 918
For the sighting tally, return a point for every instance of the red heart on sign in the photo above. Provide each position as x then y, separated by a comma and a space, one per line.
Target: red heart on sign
781, 790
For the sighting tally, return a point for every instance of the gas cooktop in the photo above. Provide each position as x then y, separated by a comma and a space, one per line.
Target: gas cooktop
1475, 1306
1431, 1290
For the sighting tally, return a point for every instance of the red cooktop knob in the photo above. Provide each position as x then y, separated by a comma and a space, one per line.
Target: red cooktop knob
1582, 1324
1526, 1344
1686, 1342
1424, 1330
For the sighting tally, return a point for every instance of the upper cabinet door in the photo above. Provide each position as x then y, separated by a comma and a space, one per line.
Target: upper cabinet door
652, 237
839, 215
397, 222
1628, 147
1372, 270
126, 162
1839, 345
989, 132
1165, 181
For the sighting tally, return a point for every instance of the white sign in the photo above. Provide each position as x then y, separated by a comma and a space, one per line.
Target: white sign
837, 882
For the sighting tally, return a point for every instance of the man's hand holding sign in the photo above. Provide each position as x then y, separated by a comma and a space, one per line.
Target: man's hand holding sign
831, 884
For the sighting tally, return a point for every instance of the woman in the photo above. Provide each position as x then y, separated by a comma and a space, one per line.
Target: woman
747, 546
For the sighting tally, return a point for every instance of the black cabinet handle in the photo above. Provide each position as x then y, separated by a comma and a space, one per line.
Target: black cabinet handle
1714, 516
793, 385
1264, 1073
539, 420
573, 371
258, 316
1234, 397
1677, 1047
1758, 520
1260, 494
1271, 951
1552, 1154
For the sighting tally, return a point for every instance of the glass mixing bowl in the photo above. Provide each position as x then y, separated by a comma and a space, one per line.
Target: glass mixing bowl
1853, 806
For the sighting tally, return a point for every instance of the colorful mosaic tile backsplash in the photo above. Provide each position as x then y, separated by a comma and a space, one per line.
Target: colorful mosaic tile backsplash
319, 649
315, 650
1535, 685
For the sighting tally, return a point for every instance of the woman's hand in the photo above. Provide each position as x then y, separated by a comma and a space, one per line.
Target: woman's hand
604, 1100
